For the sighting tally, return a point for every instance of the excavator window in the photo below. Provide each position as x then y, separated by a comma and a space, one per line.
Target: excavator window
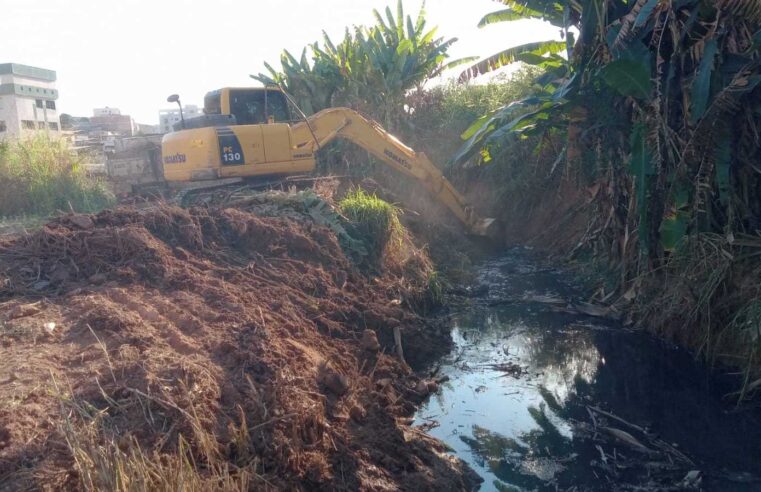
212, 103
255, 107
277, 106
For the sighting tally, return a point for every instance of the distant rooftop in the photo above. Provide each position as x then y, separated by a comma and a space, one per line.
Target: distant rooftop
27, 71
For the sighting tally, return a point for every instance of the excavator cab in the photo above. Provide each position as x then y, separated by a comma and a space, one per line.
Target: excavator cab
240, 106
249, 106
244, 132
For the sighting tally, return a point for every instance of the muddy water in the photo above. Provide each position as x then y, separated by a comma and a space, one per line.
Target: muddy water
526, 376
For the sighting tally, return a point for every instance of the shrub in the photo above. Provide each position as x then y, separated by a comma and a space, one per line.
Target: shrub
439, 115
376, 222
40, 176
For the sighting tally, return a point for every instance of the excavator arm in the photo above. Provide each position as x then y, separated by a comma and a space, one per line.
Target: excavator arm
322, 128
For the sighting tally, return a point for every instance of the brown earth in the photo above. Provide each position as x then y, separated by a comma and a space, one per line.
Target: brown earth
232, 343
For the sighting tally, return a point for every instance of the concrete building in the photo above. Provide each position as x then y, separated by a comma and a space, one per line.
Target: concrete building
168, 117
106, 111
27, 100
144, 129
112, 120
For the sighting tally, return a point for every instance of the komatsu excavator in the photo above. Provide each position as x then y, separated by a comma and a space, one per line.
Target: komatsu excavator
247, 132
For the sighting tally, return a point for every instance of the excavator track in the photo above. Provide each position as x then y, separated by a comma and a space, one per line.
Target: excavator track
217, 195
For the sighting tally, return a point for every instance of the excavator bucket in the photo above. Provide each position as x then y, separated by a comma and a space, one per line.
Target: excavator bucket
485, 227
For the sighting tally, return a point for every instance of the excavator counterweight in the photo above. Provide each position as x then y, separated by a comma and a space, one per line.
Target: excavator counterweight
249, 132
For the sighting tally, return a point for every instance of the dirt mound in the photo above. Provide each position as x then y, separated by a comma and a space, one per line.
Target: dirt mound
144, 344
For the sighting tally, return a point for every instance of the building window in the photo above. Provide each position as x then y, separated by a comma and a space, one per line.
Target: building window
53, 126
41, 125
28, 125
2, 126
38, 102
50, 104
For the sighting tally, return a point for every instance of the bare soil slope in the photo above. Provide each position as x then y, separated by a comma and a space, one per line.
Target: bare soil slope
224, 341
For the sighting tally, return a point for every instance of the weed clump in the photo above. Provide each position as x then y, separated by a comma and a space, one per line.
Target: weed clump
39, 176
376, 222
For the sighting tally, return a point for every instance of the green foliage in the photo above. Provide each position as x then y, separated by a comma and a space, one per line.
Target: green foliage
673, 230
660, 105
372, 68
550, 11
651, 70
39, 176
641, 168
530, 52
436, 285
439, 115
628, 77
375, 221
701, 86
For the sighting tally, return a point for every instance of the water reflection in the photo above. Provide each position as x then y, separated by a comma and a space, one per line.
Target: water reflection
520, 431
530, 461
514, 429
547, 344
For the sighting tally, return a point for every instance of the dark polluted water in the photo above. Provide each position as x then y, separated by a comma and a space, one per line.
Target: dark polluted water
540, 398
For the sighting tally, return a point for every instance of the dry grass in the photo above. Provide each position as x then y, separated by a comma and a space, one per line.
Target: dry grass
106, 460
708, 297
40, 176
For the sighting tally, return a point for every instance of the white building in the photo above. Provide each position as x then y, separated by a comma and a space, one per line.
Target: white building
168, 117
106, 111
27, 100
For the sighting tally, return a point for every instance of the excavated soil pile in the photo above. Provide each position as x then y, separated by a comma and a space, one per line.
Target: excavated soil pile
243, 345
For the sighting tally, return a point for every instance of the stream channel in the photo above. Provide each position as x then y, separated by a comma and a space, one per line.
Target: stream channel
540, 397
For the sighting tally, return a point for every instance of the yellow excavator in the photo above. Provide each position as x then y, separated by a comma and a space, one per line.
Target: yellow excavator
248, 132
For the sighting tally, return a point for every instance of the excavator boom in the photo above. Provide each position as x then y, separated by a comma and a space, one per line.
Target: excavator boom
327, 125
244, 133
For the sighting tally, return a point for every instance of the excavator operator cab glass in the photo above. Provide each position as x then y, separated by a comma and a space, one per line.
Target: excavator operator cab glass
212, 103
258, 106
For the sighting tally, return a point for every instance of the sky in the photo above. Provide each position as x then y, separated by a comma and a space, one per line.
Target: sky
131, 54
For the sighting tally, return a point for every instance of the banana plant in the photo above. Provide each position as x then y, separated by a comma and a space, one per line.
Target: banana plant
313, 84
669, 89
560, 14
372, 68
403, 54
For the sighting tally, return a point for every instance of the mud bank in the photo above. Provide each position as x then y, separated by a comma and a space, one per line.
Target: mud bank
215, 349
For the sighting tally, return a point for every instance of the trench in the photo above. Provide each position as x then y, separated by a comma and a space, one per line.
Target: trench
539, 397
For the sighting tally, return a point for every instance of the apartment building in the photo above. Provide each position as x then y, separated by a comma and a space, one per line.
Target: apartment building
27, 100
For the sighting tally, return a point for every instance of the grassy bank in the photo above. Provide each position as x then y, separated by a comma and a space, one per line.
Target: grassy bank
40, 176
376, 221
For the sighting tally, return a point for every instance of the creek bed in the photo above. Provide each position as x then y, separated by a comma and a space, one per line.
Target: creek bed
541, 398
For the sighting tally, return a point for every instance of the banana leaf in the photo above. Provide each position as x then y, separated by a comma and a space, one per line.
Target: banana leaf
640, 166
701, 86
509, 56
628, 77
